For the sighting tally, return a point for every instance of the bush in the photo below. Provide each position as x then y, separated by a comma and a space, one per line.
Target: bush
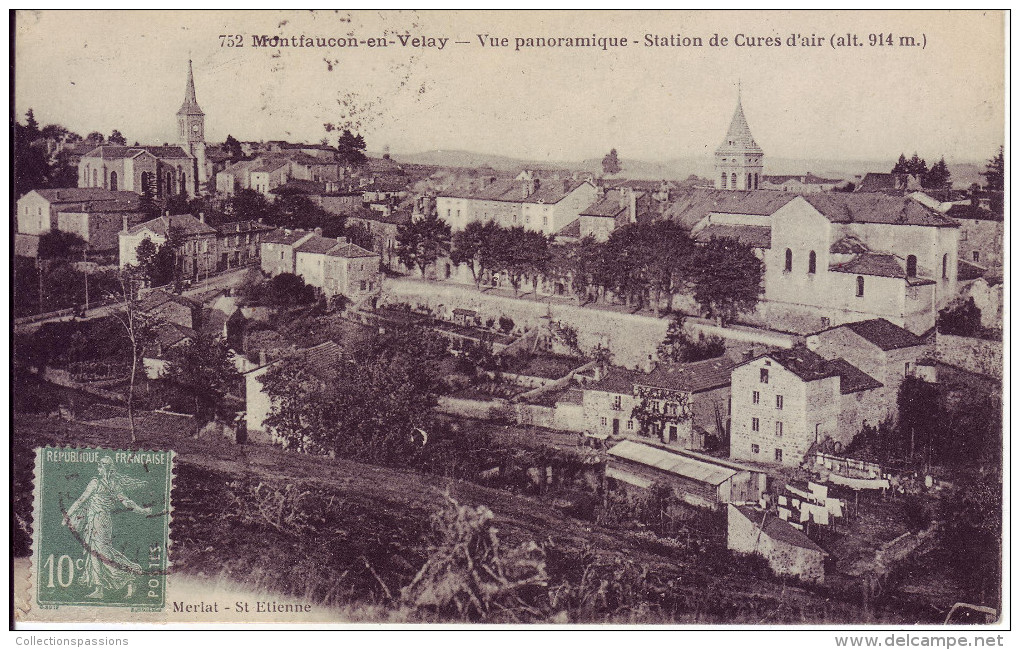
962, 319
506, 324
470, 576
679, 347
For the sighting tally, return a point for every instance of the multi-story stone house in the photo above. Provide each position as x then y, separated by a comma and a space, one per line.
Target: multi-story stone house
278, 246
196, 249
785, 401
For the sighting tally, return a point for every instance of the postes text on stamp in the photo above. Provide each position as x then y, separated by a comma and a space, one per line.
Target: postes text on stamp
102, 520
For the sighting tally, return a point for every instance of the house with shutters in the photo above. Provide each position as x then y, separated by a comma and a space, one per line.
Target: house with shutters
677, 404
196, 250
277, 250
785, 401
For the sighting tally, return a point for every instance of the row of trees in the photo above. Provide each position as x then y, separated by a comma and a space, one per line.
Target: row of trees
936, 178
643, 264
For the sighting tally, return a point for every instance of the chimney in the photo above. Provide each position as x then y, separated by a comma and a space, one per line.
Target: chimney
262, 357
649, 365
342, 241
633, 206
318, 231
124, 223
167, 213
201, 217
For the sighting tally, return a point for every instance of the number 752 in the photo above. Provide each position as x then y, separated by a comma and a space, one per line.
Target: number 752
231, 40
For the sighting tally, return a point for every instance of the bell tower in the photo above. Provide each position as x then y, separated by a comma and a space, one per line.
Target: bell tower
738, 160
191, 127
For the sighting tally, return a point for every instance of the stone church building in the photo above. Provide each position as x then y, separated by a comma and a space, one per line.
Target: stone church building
163, 171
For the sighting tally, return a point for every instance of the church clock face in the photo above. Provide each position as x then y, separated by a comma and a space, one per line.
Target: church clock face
194, 128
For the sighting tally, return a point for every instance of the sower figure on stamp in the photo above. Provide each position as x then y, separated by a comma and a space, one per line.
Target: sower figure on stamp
90, 517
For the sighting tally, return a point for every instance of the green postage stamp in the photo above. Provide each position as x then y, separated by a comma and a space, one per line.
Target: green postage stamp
102, 527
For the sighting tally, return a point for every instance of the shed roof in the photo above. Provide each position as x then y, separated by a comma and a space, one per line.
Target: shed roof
671, 462
754, 236
777, 529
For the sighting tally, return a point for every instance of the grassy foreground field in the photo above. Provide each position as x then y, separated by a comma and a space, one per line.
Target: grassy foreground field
348, 535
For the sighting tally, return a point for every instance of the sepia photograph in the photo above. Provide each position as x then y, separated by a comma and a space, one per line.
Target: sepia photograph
535, 319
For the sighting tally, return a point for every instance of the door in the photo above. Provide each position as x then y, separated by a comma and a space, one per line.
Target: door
672, 433
616, 426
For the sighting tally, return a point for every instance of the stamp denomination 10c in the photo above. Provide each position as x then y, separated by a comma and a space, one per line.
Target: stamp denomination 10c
102, 527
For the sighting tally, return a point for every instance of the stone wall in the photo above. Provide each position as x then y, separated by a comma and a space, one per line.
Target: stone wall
631, 337
562, 417
976, 355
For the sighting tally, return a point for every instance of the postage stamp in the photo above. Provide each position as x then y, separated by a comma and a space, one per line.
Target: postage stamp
102, 527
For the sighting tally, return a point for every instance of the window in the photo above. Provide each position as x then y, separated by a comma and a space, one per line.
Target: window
977, 256
945, 266
724, 180
779, 429
602, 421
755, 449
755, 397
963, 236
906, 369
860, 286
750, 181
754, 424
363, 285
630, 425
733, 180
617, 403
779, 402
789, 261
448, 213
113, 181
764, 375
756, 181
812, 262
545, 221
95, 177
779, 455
911, 266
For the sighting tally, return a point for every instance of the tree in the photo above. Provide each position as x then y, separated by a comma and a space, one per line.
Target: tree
368, 407
95, 137
117, 138
625, 262
350, 147
233, 148
474, 246
31, 125
920, 414
137, 330
938, 177
31, 167
728, 280
668, 264
203, 370
359, 235
57, 244
962, 319
995, 172
511, 254
611, 163
423, 241
679, 347
901, 166
916, 166
287, 290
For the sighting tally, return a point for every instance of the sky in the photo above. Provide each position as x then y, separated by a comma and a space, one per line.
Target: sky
125, 70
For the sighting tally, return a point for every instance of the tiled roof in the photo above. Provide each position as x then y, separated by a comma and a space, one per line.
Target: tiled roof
802, 362
842, 207
671, 462
738, 137
851, 378
317, 244
284, 236
234, 227
806, 179
777, 529
967, 271
112, 152
755, 236
611, 205
270, 165
171, 334
185, 223
79, 194
324, 359
811, 366
880, 264
553, 192
572, 229
513, 191
686, 377
877, 182
95, 207
397, 217
972, 212
848, 245
350, 251
693, 205
883, 334
158, 297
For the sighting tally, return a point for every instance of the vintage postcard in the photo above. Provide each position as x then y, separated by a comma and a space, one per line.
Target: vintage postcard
671, 318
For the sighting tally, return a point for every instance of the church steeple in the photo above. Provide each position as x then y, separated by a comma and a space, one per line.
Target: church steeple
191, 130
190, 105
738, 160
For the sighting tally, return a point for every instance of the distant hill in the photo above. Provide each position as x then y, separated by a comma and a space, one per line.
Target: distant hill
963, 174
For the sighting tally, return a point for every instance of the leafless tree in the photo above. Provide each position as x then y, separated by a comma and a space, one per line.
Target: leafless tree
134, 325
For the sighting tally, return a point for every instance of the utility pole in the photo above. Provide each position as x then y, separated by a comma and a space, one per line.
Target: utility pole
85, 256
